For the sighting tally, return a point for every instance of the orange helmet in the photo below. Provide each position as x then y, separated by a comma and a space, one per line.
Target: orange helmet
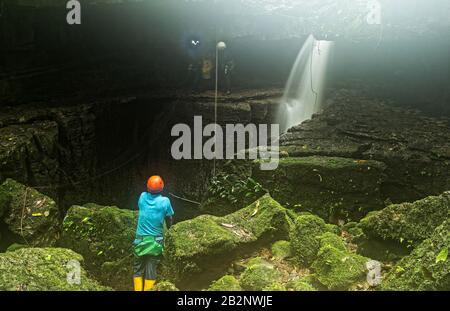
155, 184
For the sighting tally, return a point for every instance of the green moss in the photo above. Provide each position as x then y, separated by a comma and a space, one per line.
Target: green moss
408, 223
258, 277
104, 236
29, 214
423, 269
301, 285
305, 238
226, 283
281, 249
164, 286
333, 228
337, 269
257, 261
15, 246
275, 287
333, 240
42, 269
209, 243
330, 187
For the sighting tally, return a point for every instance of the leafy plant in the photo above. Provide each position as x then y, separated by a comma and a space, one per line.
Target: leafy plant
234, 189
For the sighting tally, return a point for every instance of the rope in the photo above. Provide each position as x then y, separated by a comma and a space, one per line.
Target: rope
184, 199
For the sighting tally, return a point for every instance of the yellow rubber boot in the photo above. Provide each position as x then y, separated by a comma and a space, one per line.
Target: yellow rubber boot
138, 283
148, 284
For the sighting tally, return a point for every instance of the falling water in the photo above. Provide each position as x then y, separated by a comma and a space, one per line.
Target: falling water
304, 89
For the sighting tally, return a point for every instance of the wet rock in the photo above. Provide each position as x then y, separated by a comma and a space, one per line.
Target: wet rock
43, 269
104, 236
226, 283
337, 269
29, 214
281, 249
426, 268
258, 277
200, 249
331, 187
164, 286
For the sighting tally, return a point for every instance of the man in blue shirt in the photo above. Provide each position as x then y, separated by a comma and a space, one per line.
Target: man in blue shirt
154, 211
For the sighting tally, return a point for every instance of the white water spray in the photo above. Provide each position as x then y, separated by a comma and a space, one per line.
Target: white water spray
304, 89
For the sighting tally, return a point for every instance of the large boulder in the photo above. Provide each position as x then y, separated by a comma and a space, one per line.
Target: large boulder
104, 236
44, 269
29, 214
199, 250
408, 223
426, 268
331, 187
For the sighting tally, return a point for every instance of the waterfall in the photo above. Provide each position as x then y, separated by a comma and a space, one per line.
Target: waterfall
304, 89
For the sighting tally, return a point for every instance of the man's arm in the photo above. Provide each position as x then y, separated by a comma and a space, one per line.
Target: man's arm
169, 221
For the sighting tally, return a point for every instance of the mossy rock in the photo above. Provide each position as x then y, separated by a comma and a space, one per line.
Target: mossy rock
427, 268
257, 261
258, 277
301, 285
332, 239
104, 236
15, 246
43, 269
225, 283
200, 249
408, 223
29, 214
305, 238
337, 269
275, 287
165, 286
331, 187
281, 249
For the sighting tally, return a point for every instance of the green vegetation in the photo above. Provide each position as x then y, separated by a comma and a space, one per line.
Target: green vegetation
426, 268
281, 249
104, 236
305, 238
226, 283
209, 243
259, 277
408, 223
337, 269
42, 269
29, 214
